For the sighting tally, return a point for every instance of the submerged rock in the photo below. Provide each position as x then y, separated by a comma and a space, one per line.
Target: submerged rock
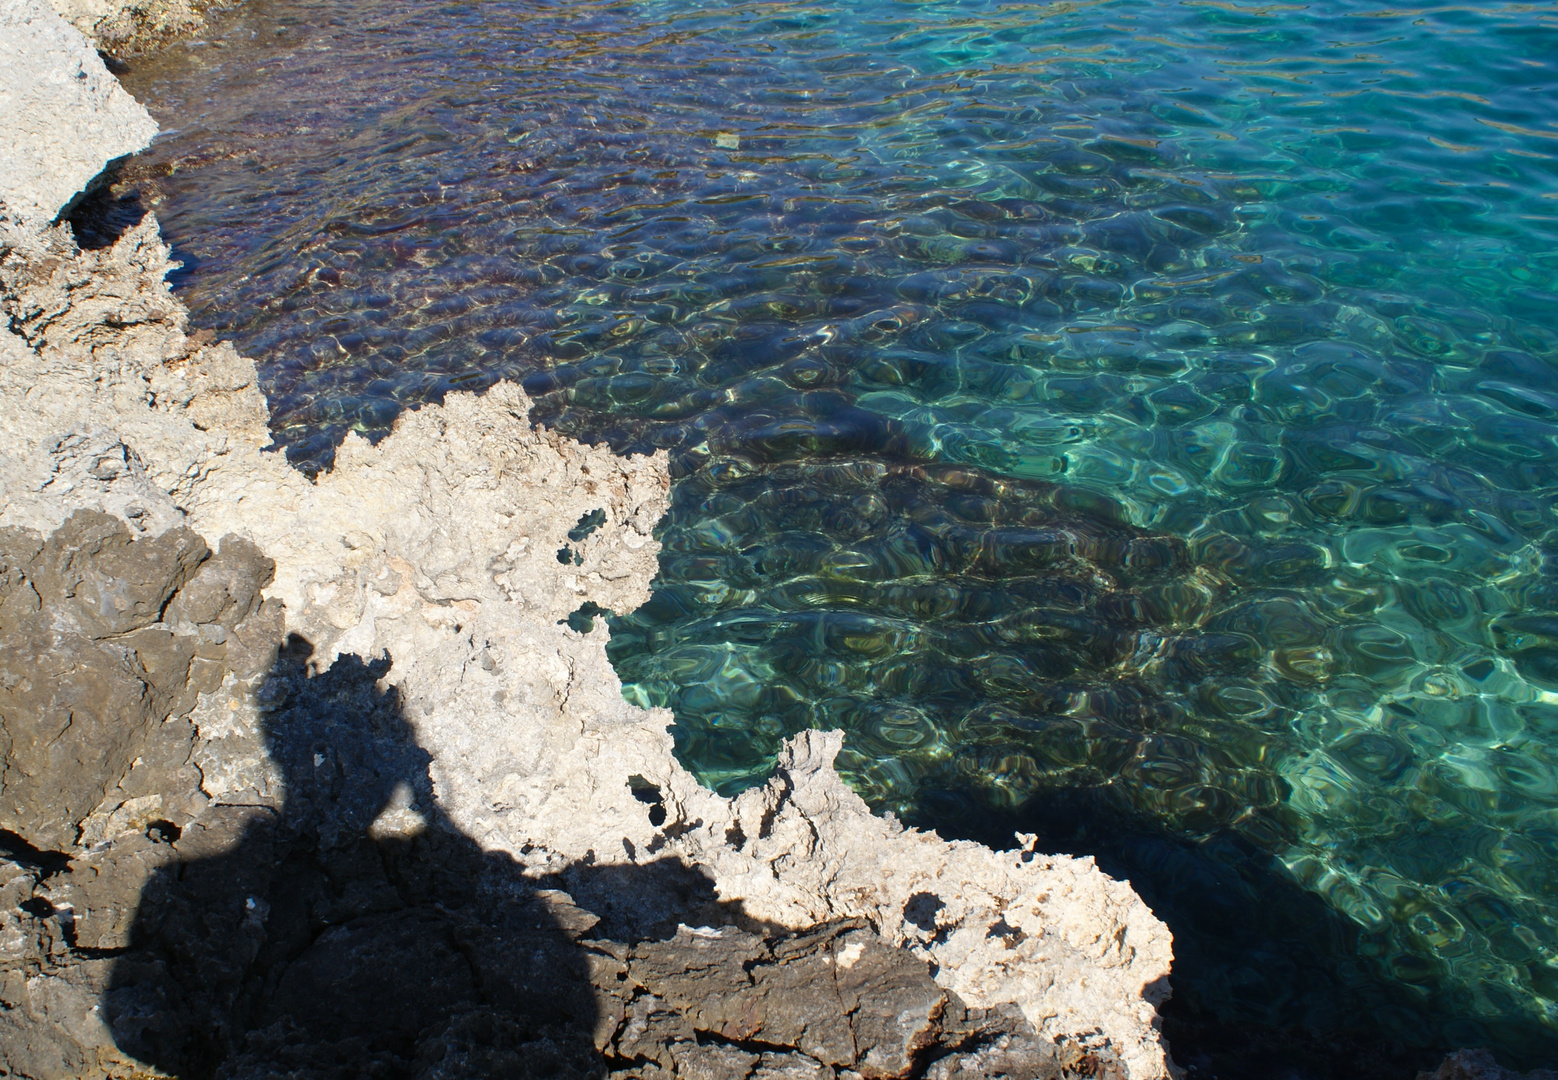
127, 27
1480, 1065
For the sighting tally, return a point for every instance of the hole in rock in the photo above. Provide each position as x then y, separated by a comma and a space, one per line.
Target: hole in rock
99, 217
648, 793
587, 524
37, 907
921, 910
163, 832
1004, 930
583, 619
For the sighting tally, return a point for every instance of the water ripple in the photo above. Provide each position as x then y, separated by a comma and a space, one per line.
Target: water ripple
1149, 410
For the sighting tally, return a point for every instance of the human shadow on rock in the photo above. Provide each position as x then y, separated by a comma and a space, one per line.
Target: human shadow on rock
356, 931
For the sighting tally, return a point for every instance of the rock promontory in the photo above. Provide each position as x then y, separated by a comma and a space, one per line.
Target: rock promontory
320, 778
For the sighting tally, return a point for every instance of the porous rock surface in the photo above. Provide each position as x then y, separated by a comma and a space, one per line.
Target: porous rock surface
62, 114
432, 771
122, 28
444, 550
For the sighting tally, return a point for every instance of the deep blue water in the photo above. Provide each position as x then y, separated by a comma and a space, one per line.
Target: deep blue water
1133, 423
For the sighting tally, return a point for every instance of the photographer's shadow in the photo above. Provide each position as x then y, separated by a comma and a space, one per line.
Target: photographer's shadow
358, 932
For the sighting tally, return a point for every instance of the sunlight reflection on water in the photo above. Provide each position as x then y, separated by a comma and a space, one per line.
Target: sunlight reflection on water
1143, 410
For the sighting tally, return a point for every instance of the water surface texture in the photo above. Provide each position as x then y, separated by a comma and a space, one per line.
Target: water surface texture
1133, 423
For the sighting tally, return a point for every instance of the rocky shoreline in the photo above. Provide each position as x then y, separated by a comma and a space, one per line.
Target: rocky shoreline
325, 779
124, 28
349, 928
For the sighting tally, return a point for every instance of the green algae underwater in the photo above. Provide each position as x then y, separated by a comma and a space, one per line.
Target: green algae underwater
1131, 423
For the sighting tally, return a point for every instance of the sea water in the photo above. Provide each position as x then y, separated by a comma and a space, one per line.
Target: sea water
1135, 423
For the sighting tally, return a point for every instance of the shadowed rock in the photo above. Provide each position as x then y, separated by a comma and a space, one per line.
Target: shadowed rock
343, 926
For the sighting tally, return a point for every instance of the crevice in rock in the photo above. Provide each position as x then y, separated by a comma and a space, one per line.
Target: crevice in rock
18, 850
587, 525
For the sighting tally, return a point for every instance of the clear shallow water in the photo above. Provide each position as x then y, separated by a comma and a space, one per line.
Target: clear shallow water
1134, 423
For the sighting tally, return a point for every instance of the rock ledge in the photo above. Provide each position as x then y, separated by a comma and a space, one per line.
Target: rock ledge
328, 757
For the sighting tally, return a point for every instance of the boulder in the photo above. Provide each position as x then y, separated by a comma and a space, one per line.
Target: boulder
64, 116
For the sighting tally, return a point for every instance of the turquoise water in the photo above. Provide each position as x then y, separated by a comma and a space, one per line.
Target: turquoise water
1131, 423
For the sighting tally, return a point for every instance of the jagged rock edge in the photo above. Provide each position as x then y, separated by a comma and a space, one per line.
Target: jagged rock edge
436, 548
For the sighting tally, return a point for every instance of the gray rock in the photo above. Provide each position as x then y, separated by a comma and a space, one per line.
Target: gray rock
226, 589
89, 673
92, 574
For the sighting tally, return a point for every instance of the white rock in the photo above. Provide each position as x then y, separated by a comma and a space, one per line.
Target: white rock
64, 117
438, 547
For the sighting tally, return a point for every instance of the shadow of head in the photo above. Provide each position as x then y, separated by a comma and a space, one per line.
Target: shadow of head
351, 769
357, 931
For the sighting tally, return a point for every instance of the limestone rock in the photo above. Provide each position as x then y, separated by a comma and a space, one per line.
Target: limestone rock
97, 335
432, 743
64, 116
